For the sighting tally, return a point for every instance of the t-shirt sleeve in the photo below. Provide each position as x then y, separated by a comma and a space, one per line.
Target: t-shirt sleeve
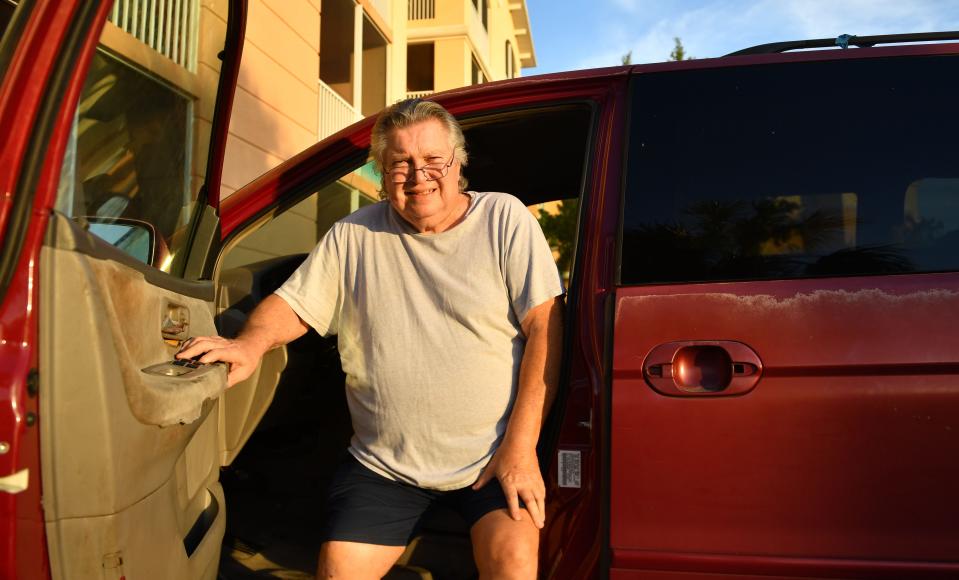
531, 273
314, 291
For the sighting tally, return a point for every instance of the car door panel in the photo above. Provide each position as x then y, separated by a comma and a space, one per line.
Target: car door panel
121, 447
244, 404
845, 441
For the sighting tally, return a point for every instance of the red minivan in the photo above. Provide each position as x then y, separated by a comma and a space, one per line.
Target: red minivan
761, 368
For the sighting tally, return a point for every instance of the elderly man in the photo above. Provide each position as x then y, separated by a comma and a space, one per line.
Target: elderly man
448, 313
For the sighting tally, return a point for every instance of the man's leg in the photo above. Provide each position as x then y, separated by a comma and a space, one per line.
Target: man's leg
505, 548
357, 561
367, 522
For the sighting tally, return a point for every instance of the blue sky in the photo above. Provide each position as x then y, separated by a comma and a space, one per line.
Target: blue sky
574, 34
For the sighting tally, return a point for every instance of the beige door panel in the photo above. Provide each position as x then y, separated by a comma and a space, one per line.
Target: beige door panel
129, 459
244, 404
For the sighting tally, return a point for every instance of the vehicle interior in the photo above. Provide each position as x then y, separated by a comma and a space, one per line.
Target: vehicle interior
275, 486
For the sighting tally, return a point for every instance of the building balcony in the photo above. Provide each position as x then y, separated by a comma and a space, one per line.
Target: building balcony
168, 27
335, 112
421, 10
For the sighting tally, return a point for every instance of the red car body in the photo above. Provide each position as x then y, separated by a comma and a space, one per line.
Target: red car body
831, 455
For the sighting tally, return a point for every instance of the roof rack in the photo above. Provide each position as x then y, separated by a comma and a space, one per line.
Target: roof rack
845, 40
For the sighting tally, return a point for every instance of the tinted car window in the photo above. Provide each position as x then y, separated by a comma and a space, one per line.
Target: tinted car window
788, 171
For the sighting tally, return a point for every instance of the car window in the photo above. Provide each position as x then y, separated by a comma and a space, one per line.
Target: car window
559, 220
834, 168
126, 167
298, 229
137, 152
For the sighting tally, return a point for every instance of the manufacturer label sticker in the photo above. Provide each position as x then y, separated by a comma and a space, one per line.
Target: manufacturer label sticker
570, 469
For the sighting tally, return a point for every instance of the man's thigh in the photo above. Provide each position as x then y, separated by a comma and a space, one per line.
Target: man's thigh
504, 547
364, 507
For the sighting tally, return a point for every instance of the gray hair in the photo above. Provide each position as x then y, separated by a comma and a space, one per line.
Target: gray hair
409, 112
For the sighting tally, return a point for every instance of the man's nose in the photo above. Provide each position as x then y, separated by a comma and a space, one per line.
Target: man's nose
416, 176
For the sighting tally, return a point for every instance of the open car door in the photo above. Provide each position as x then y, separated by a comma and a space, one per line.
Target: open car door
112, 163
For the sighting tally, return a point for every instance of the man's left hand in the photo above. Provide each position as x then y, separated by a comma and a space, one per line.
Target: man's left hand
519, 475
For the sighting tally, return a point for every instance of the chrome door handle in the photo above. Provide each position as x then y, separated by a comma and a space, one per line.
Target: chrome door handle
702, 367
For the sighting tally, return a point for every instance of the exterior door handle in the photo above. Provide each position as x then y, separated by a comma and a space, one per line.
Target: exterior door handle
702, 368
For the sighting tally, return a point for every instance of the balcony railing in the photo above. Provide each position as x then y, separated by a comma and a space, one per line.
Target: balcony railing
335, 112
169, 27
418, 94
421, 9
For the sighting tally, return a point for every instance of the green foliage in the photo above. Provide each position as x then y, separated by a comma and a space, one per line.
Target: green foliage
679, 52
627, 58
560, 230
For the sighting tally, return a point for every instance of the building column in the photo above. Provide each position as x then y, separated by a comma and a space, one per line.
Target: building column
358, 57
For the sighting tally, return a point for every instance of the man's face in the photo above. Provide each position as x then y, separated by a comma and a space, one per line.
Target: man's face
429, 206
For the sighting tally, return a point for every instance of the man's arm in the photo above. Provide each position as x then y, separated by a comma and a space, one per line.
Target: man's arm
514, 464
271, 324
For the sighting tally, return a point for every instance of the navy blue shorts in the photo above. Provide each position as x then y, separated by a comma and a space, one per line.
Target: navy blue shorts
363, 506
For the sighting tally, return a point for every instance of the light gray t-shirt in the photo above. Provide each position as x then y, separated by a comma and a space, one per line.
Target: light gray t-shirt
428, 331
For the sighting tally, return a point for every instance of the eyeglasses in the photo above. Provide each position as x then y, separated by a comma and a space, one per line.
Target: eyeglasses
404, 172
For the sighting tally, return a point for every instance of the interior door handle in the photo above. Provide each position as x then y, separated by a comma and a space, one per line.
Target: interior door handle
702, 367
175, 325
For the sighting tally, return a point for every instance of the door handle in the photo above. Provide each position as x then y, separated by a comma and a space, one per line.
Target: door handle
175, 323
702, 367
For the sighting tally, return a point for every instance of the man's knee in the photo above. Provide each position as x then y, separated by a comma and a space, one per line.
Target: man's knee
356, 561
511, 559
505, 548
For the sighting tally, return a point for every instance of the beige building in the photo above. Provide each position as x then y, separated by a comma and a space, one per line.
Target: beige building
312, 67
455, 43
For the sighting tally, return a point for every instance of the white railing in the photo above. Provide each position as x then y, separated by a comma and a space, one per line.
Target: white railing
418, 94
421, 10
383, 7
335, 112
170, 27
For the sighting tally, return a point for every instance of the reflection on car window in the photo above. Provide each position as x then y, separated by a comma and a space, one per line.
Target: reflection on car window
128, 156
767, 172
559, 220
299, 228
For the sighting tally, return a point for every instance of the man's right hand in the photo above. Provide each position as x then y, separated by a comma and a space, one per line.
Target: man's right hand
271, 324
242, 356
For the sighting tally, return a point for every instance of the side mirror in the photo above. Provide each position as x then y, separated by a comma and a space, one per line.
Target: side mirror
135, 237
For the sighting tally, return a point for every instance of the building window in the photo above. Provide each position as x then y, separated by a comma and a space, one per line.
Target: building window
510, 64
477, 76
481, 9
419, 69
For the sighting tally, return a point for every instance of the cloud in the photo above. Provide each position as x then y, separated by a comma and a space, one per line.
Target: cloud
716, 27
